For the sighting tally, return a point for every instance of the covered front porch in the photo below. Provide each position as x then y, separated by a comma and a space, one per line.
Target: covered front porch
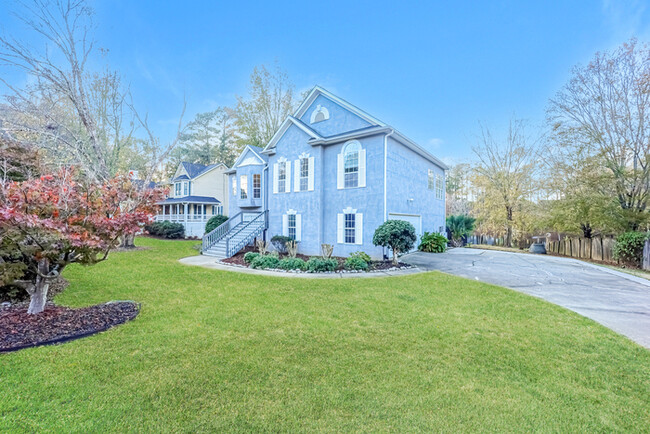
192, 211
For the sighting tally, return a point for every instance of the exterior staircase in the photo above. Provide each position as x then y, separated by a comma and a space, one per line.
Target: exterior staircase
234, 234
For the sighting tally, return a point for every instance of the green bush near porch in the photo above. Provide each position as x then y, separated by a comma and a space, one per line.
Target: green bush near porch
215, 222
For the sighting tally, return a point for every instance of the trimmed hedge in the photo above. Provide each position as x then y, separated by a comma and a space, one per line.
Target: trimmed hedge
316, 265
292, 264
265, 261
249, 256
356, 263
166, 229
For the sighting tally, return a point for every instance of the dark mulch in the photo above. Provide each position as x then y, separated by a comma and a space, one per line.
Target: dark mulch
385, 265
59, 324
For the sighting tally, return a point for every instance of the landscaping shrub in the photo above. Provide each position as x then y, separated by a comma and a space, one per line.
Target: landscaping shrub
316, 265
265, 261
249, 256
433, 243
292, 264
215, 222
166, 229
399, 235
629, 247
460, 226
356, 263
361, 255
280, 243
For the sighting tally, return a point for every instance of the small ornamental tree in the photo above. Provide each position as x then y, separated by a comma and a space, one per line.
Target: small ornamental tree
398, 235
53, 221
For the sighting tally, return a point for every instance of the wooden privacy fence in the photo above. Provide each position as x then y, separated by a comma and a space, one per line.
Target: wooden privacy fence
596, 249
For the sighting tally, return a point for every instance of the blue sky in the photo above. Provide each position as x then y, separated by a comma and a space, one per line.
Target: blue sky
431, 69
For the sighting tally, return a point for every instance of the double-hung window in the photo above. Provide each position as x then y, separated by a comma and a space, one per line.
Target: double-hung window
350, 228
351, 168
257, 186
304, 173
243, 187
186, 188
439, 188
234, 186
431, 182
177, 187
291, 226
282, 176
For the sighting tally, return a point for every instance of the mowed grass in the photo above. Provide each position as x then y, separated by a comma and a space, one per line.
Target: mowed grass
222, 351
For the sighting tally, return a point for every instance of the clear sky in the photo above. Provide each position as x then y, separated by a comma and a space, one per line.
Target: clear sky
431, 69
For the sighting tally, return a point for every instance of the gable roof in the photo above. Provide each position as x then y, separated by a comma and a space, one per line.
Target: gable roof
256, 150
377, 127
290, 120
194, 170
317, 90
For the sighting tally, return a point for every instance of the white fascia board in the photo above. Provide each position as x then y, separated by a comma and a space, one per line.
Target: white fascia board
317, 90
283, 129
419, 150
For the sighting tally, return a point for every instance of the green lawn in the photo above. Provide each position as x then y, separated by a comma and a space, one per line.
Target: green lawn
221, 351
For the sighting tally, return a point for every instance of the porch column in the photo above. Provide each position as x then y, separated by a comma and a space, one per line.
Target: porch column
185, 206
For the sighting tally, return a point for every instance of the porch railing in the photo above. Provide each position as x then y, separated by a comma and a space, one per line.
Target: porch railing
181, 217
213, 237
259, 222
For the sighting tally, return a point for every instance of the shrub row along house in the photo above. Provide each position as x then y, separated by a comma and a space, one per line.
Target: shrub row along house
331, 174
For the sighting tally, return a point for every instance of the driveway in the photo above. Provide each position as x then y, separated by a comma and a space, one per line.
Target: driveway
614, 299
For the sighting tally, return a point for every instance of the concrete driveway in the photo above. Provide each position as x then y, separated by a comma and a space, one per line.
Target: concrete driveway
616, 300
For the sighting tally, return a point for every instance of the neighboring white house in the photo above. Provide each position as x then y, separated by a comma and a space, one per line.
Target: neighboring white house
197, 192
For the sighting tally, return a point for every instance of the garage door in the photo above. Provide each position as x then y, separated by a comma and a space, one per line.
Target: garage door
414, 219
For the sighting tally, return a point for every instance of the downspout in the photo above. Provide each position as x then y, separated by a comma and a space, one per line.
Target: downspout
386, 173
386, 182
265, 175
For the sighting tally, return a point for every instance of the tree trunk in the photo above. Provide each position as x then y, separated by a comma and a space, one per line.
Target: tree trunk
38, 290
395, 261
128, 241
508, 240
38, 297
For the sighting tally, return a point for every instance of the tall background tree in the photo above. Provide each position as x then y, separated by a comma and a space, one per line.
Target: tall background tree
270, 100
504, 177
603, 115
75, 114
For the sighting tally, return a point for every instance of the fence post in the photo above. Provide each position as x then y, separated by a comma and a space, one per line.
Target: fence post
646, 255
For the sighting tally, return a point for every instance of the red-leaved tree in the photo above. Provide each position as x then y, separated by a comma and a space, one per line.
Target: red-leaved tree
52, 221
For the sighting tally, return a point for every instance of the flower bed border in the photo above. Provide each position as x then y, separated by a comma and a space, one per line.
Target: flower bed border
281, 270
76, 336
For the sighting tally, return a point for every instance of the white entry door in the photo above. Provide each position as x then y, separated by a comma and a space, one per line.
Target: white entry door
414, 219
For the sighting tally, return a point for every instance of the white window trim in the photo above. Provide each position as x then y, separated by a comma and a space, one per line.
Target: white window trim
285, 224
358, 227
319, 109
340, 173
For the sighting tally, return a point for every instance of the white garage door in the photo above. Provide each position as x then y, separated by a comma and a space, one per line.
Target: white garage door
415, 220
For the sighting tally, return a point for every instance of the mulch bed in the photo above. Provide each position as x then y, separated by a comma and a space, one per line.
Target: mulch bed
58, 324
238, 259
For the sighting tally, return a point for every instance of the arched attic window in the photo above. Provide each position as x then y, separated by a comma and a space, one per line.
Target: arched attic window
319, 114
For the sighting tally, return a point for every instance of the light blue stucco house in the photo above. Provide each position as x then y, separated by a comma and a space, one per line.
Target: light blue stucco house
331, 174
